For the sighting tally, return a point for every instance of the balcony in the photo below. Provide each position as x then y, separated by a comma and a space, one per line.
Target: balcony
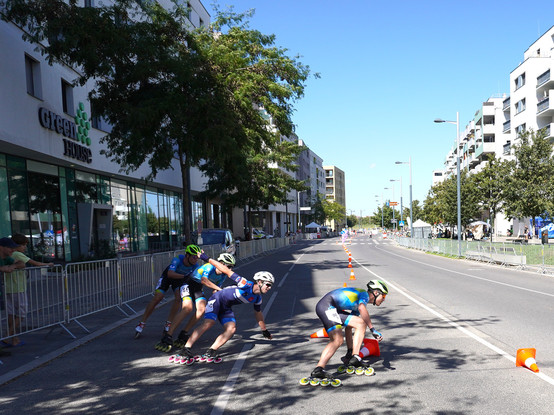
549, 129
544, 81
506, 149
506, 104
506, 127
544, 109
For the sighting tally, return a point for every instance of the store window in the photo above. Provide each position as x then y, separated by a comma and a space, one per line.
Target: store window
86, 189
120, 202
46, 228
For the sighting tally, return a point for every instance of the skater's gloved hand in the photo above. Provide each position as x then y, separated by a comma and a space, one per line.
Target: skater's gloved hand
376, 334
267, 334
204, 257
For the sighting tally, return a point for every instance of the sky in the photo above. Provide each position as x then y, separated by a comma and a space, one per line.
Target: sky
388, 69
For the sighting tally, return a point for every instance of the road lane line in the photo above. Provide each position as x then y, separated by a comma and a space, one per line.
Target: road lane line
456, 325
227, 390
472, 276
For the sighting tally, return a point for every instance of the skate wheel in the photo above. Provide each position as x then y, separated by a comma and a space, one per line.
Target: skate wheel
190, 361
350, 370
209, 359
341, 369
173, 358
305, 381
197, 358
325, 382
314, 382
360, 371
336, 383
369, 371
218, 360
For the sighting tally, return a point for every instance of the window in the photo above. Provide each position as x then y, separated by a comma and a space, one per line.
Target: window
201, 24
67, 98
520, 81
520, 106
520, 129
89, 3
32, 75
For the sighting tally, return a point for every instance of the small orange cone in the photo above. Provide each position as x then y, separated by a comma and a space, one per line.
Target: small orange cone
526, 357
319, 334
344, 285
370, 347
352, 276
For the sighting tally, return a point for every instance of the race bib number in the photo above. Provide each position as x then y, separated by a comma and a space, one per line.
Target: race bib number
210, 306
185, 292
333, 316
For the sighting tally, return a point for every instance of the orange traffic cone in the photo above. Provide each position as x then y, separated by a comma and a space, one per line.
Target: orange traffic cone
349, 262
526, 357
370, 347
344, 285
319, 334
352, 276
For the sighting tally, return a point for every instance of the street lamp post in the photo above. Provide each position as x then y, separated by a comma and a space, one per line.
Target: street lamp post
401, 206
411, 207
457, 122
385, 188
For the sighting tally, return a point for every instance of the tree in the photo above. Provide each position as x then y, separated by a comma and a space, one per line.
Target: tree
333, 211
174, 94
529, 187
490, 184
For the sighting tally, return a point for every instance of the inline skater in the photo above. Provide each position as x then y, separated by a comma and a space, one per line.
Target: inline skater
347, 307
207, 275
220, 305
173, 276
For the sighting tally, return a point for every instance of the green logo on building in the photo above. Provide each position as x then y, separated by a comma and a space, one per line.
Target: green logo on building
83, 124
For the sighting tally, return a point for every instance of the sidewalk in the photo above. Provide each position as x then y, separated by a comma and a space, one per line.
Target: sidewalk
43, 346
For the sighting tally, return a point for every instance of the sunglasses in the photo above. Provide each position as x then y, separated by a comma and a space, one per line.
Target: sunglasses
268, 284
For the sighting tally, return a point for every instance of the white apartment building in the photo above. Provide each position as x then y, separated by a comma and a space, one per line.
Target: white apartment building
500, 120
310, 170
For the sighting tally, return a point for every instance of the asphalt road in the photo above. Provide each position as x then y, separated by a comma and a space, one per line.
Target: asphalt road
451, 330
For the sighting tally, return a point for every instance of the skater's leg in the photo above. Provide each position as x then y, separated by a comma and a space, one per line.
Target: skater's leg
358, 324
196, 334
335, 341
229, 330
186, 309
158, 296
200, 309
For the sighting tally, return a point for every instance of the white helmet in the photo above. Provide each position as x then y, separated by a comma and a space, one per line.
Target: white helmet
264, 276
226, 259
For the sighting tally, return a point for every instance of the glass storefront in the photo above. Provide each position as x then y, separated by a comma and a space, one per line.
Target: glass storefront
45, 201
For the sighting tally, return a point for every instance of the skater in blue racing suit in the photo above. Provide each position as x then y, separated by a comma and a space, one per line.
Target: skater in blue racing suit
192, 290
220, 307
346, 307
173, 276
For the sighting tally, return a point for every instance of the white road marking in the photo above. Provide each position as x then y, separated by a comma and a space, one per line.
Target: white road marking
456, 325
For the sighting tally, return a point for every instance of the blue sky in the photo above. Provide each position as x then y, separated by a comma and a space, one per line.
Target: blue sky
388, 69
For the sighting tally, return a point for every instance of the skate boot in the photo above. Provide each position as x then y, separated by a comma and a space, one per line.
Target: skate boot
346, 358
165, 344
359, 367
138, 329
183, 357
167, 326
181, 339
210, 357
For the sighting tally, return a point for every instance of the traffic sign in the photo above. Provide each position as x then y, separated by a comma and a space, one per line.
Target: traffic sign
401, 223
394, 203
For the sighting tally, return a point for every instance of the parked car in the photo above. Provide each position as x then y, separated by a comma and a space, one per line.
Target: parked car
260, 234
216, 236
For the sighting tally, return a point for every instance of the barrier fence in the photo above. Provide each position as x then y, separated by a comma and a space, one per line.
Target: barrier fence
57, 296
539, 257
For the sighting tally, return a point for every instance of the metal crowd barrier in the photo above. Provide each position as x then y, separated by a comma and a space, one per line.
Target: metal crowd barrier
60, 295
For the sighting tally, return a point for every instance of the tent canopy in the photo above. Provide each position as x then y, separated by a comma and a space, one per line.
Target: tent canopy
420, 224
313, 225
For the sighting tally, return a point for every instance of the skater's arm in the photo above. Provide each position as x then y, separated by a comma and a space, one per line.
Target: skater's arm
209, 284
364, 314
175, 275
260, 319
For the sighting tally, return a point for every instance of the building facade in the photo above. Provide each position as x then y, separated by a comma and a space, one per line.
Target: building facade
335, 190
55, 185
